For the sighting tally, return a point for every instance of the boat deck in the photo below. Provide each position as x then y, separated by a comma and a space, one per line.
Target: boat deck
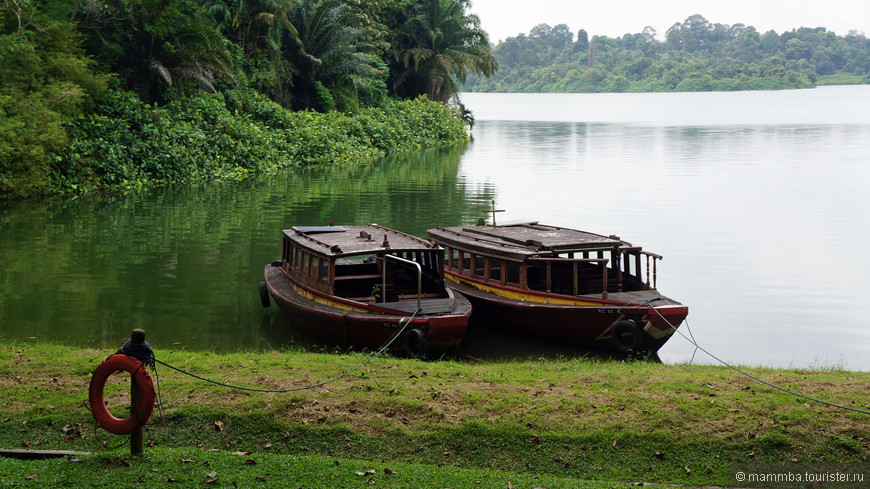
429, 306
637, 296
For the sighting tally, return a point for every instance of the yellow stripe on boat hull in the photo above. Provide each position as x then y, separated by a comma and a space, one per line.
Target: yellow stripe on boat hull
520, 295
326, 301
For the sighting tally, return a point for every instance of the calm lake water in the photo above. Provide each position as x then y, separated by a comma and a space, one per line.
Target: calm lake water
758, 202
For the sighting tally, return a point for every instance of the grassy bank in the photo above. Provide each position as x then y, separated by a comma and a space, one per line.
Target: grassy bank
566, 423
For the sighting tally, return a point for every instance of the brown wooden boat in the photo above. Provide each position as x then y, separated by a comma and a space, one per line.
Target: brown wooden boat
358, 285
561, 283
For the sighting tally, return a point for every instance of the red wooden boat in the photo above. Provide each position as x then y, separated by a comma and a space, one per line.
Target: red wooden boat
561, 283
357, 285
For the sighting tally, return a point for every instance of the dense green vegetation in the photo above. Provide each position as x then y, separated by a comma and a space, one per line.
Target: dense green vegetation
696, 55
107, 93
571, 422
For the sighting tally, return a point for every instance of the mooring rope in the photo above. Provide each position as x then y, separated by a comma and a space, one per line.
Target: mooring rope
406, 321
723, 362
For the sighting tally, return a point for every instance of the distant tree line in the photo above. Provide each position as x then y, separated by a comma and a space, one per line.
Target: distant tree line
696, 55
97, 93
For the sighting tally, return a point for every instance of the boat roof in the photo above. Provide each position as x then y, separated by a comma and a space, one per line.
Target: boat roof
524, 239
339, 241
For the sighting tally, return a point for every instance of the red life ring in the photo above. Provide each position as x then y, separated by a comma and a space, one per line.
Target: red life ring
110, 423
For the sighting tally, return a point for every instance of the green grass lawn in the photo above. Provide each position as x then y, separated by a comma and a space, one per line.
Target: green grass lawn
524, 423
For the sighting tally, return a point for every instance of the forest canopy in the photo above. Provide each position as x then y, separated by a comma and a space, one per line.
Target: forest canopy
108, 93
694, 55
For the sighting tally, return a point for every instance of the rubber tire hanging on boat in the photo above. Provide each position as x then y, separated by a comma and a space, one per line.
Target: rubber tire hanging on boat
627, 327
264, 294
416, 343
139, 373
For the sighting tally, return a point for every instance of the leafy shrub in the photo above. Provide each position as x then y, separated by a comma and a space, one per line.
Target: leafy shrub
128, 143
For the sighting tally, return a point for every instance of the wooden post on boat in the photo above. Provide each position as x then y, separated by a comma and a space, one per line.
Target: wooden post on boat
493, 211
137, 437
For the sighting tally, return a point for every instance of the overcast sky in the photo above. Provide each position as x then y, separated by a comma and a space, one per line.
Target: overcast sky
613, 18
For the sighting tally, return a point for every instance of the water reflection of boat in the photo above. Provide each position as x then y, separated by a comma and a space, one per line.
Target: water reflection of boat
357, 285
559, 283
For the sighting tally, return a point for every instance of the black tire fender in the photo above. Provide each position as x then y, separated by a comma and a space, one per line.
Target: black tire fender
264, 294
416, 343
628, 328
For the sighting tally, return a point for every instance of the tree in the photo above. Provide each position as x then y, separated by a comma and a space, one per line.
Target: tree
540, 31
45, 82
327, 57
560, 36
151, 44
435, 48
582, 43
257, 27
797, 49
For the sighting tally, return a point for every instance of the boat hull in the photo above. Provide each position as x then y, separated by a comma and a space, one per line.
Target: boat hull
580, 320
369, 326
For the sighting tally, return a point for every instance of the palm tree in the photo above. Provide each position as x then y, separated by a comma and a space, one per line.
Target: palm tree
327, 56
153, 43
257, 23
436, 48
194, 51
258, 27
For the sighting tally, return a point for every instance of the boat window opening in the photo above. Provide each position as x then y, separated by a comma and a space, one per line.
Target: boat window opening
452, 259
466, 263
430, 264
324, 270
424, 260
564, 277
297, 263
605, 255
495, 270
479, 266
513, 272
536, 277
304, 268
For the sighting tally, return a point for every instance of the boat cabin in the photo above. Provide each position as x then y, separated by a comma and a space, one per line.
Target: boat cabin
363, 263
539, 258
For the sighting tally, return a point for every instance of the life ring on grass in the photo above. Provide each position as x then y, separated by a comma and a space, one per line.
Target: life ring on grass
627, 328
140, 375
416, 343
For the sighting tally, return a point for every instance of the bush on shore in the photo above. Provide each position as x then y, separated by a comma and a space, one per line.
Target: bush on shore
126, 143
129, 144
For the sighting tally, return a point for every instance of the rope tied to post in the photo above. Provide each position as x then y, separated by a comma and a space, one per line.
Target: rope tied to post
141, 351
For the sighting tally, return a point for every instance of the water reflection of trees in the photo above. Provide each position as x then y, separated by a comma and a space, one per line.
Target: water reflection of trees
182, 262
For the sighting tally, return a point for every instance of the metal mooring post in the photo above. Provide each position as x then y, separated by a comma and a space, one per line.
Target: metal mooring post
137, 437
